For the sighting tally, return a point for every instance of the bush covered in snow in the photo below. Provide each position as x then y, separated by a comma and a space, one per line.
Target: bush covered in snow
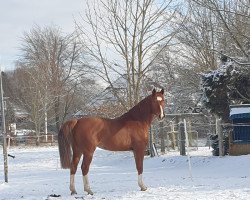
227, 85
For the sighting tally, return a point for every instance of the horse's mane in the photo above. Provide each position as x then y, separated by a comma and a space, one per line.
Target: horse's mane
140, 111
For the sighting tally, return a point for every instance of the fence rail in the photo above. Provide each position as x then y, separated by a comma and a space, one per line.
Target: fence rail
17, 140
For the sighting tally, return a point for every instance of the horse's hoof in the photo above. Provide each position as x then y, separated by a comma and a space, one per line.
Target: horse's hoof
89, 191
144, 188
73, 192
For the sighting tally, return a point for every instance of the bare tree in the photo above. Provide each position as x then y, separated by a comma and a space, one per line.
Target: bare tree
197, 38
29, 95
233, 32
56, 61
120, 37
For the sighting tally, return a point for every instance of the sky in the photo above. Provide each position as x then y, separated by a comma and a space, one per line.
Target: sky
19, 16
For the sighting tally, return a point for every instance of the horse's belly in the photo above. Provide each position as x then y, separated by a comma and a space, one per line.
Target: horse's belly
116, 143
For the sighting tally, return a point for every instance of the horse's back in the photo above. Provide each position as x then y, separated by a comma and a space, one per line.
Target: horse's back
89, 125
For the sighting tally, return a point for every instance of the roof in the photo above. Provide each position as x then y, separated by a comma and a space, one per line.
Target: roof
240, 111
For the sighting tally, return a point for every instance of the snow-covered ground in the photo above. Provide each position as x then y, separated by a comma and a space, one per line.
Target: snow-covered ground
35, 174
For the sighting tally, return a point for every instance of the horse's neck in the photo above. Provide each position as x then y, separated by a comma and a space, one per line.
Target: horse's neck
141, 112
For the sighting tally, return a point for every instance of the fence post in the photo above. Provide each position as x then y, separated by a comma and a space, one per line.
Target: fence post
190, 137
220, 136
162, 138
4, 133
173, 136
167, 138
187, 143
177, 120
182, 139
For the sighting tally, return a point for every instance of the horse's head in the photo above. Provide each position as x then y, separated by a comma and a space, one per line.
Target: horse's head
158, 103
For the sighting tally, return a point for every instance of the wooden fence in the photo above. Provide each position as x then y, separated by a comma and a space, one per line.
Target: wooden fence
31, 140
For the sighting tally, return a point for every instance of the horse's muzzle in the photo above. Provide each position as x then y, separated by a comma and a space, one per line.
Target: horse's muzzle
161, 116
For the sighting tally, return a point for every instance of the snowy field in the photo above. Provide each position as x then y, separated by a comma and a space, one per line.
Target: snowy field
35, 174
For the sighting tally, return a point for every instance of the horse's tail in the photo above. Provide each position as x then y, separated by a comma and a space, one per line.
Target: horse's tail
64, 143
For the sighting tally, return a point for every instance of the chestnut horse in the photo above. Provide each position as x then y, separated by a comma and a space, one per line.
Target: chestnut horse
128, 132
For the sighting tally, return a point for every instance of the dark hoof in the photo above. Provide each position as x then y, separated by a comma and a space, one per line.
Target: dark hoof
90, 193
73, 192
51, 195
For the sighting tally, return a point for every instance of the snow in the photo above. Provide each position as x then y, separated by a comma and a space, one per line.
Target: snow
35, 174
239, 110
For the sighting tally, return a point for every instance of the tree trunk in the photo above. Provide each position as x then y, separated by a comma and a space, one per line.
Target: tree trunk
57, 112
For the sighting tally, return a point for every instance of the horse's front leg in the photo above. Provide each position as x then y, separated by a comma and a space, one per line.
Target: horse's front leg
85, 169
139, 157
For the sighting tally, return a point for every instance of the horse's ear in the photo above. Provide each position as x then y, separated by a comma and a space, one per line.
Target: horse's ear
153, 92
162, 91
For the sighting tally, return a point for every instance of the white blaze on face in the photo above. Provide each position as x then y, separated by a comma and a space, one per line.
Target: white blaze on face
162, 114
161, 109
159, 98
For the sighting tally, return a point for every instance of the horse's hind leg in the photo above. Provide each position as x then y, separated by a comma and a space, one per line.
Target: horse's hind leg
87, 158
75, 160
